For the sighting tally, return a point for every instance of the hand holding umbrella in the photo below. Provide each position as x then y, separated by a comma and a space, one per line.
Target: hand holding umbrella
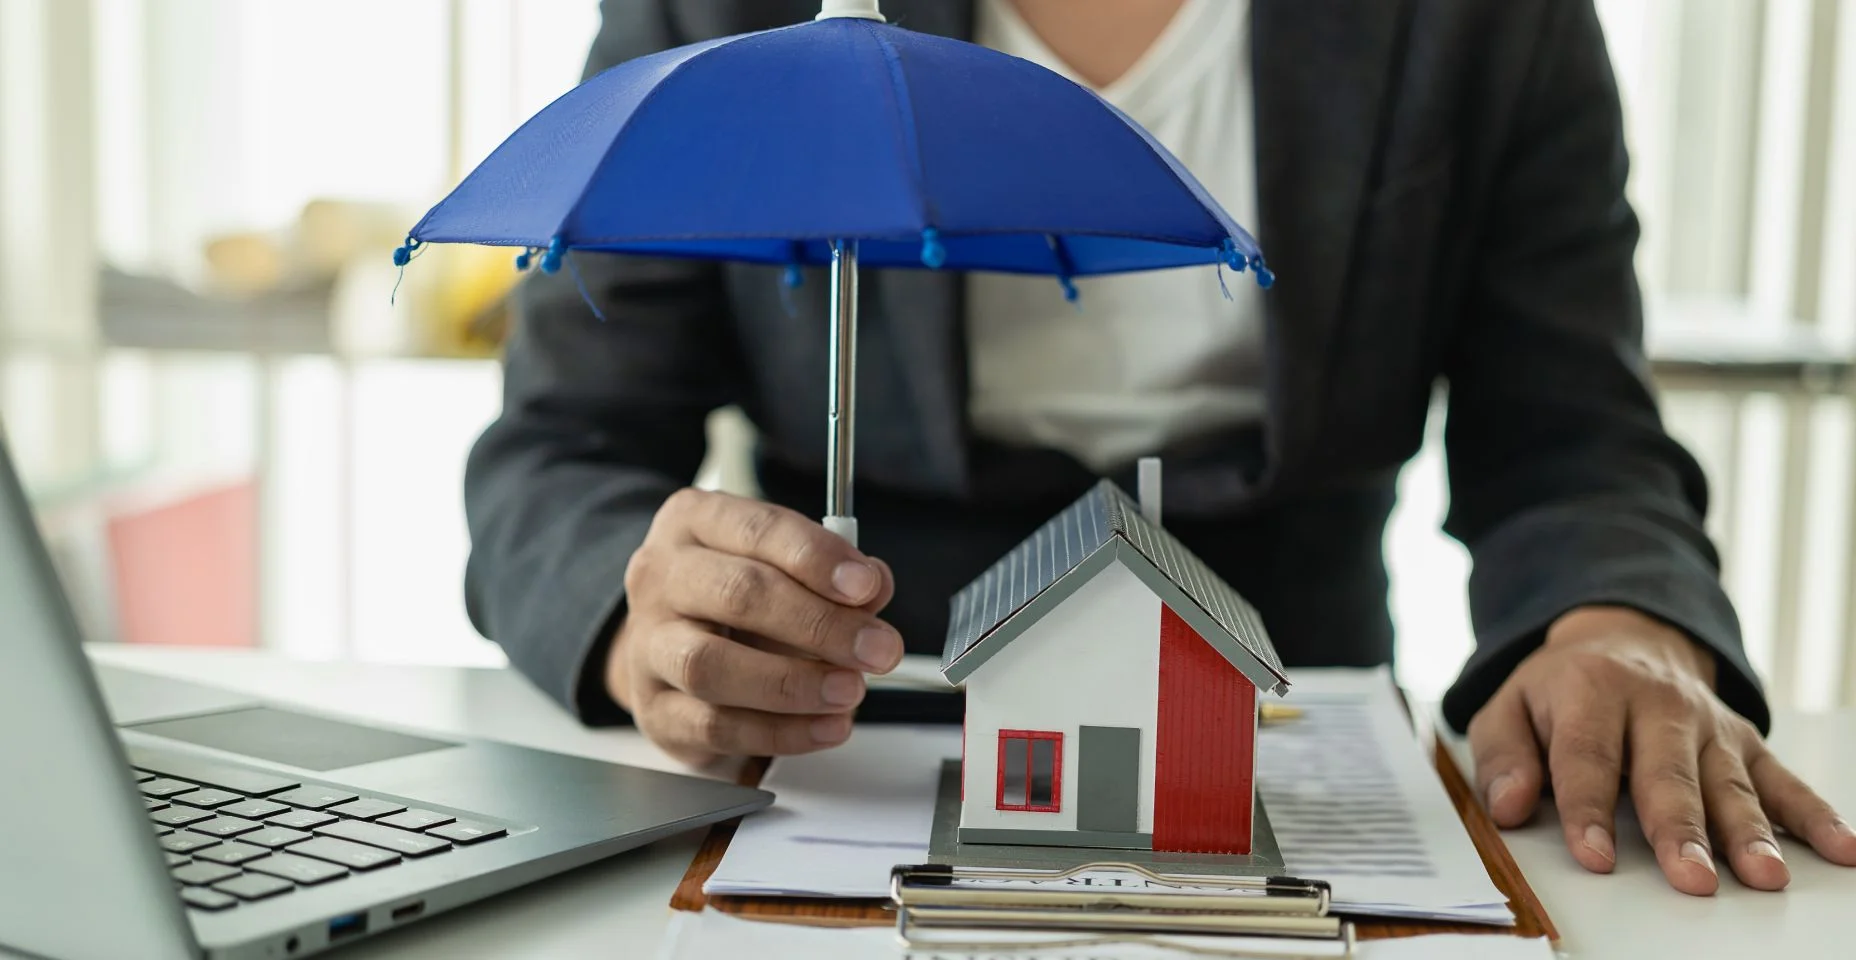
850, 142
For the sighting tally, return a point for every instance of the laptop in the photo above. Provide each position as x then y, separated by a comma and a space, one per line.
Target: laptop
150, 818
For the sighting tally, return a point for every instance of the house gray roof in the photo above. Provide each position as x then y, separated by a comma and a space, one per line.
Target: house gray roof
1102, 526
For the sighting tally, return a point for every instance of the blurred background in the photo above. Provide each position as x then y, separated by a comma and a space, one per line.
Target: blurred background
237, 433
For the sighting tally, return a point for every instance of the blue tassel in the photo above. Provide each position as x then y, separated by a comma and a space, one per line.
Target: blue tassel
934, 254
574, 269
1065, 269
791, 280
551, 259
1222, 288
525, 258
402, 255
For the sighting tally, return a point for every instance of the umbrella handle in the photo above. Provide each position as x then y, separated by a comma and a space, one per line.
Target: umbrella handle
845, 527
841, 403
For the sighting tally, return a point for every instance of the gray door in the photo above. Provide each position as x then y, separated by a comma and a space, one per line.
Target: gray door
1108, 790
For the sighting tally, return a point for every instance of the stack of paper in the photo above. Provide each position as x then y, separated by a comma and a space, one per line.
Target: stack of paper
841, 819
1351, 795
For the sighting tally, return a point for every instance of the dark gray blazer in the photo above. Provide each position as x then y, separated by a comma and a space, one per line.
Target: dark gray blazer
1442, 197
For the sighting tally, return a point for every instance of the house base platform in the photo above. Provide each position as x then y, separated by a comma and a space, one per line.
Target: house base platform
945, 846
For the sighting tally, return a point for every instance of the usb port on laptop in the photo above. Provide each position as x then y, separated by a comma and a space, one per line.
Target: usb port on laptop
348, 925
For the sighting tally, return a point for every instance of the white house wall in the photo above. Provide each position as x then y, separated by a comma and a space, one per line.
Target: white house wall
1094, 660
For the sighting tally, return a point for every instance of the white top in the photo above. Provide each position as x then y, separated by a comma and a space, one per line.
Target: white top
1142, 359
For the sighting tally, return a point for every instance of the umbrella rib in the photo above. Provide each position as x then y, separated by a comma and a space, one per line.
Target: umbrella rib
905, 118
632, 122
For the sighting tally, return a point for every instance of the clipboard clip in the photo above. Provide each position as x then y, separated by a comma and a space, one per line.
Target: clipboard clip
1292, 914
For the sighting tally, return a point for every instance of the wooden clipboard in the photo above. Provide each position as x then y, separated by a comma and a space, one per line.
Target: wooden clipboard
1531, 920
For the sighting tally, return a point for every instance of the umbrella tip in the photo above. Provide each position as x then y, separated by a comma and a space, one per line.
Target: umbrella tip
551, 257
934, 252
858, 9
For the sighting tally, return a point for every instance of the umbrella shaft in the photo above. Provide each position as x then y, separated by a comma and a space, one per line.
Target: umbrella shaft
843, 405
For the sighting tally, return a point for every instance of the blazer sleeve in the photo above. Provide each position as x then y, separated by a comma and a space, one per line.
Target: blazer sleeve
1564, 485
601, 421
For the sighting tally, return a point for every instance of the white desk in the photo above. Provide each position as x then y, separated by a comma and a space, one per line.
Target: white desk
618, 907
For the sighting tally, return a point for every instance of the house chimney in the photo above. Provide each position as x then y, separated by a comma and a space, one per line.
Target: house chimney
1149, 489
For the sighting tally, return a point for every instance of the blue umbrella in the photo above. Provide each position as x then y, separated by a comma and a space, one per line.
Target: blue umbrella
843, 141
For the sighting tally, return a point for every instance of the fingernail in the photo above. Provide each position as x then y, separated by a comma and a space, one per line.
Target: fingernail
879, 650
856, 581
1598, 840
1697, 854
831, 729
1500, 787
1842, 826
842, 688
1765, 848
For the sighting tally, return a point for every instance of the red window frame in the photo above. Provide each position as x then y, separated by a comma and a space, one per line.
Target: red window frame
1056, 773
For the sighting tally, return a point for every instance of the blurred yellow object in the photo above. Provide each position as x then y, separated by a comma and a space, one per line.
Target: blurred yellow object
245, 264
453, 304
458, 295
1278, 713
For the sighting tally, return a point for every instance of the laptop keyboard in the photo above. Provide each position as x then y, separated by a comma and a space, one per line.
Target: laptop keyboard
236, 836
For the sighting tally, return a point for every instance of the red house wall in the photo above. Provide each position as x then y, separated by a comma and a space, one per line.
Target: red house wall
1205, 746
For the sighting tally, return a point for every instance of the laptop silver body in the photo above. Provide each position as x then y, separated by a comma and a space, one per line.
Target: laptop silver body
89, 758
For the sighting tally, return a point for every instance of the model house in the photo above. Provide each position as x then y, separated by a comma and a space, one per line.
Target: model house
1112, 684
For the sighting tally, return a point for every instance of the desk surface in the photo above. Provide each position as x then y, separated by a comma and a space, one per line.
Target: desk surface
618, 907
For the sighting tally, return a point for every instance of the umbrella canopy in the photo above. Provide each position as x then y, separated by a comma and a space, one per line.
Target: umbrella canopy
842, 141
766, 147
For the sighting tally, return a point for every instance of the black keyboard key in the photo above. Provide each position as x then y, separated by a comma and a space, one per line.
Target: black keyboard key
204, 899
297, 869
198, 874
143, 776
184, 842
314, 798
179, 816
416, 819
165, 787
251, 809
253, 886
347, 854
227, 826
367, 808
153, 804
301, 819
161, 831
206, 799
467, 831
233, 853
175, 859
236, 779
274, 837
387, 838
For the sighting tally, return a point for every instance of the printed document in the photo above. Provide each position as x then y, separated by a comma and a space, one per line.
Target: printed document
1352, 797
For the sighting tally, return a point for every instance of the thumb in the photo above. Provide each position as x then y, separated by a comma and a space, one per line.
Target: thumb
1508, 768
888, 591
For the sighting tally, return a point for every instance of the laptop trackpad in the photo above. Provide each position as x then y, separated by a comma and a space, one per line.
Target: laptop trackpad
294, 739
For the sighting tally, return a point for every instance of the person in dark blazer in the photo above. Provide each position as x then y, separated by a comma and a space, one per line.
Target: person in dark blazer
1439, 186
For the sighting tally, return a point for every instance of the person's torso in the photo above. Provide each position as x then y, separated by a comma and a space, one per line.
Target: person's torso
1140, 361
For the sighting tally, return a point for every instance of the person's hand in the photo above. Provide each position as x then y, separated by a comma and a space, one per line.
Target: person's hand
1614, 694
747, 630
